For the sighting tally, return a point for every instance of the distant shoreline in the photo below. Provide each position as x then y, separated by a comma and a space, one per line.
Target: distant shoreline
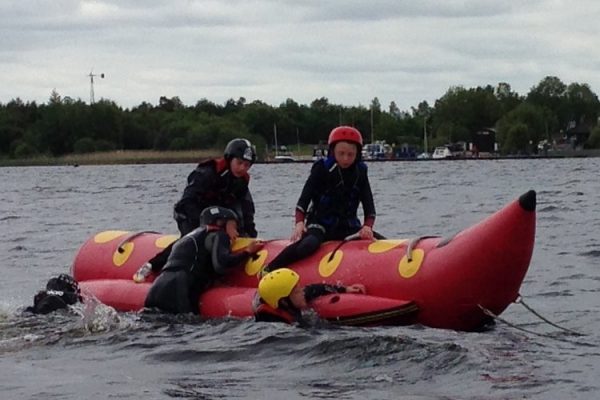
115, 158
128, 157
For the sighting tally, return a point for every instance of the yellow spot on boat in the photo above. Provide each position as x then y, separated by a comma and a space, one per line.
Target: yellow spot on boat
326, 267
408, 269
240, 243
164, 241
381, 246
121, 258
107, 236
253, 266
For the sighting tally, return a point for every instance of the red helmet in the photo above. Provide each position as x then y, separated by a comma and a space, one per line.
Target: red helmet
345, 133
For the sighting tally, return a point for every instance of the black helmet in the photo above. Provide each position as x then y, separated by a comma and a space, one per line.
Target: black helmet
210, 215
63, 283
240, 148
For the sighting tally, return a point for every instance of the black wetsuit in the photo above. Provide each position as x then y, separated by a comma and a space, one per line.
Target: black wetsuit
196, 261
316, 290
211, 184
333, 195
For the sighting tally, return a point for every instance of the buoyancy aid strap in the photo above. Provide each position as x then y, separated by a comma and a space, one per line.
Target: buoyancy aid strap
274, 313
317, 226
221, 166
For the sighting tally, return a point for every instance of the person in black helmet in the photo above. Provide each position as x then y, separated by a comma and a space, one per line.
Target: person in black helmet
217, 182
196, 261
61, 292
220, 182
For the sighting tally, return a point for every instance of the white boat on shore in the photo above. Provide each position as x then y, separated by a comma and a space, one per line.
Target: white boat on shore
441, 152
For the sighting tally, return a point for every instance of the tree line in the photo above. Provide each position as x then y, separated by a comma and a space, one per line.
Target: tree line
64, 125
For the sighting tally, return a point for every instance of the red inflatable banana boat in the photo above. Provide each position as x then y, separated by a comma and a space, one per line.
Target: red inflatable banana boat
434, 281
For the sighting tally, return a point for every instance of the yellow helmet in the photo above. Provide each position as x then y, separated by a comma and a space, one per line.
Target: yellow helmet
276, 285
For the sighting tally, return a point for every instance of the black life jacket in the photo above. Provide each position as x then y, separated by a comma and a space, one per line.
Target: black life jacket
338, 202
227, 189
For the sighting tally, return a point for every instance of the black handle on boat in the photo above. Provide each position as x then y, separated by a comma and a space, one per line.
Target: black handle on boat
354, 236
413, 243
129, 238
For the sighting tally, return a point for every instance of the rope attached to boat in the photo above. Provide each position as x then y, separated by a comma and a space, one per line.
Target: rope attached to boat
489, 313
519, 300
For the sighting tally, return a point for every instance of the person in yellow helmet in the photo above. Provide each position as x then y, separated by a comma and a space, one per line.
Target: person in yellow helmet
281, 298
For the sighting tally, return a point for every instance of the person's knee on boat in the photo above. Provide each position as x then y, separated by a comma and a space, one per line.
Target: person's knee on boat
327, 207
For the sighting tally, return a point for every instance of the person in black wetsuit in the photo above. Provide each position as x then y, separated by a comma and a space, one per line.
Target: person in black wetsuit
220, 182
196, 261
61, 292
216, 182
281, 299
334, 189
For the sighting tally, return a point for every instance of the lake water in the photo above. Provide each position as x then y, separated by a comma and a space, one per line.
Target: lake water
46, 213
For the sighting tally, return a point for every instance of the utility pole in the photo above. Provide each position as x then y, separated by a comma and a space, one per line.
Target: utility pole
275, 135
92, 75
372, 131
425, 134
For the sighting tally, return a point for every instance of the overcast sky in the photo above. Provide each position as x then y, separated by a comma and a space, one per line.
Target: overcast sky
348, 51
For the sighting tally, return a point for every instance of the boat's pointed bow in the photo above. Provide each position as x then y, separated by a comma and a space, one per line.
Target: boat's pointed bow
527, 201
488, 261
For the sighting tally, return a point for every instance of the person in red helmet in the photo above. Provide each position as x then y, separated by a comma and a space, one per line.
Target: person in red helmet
328, 205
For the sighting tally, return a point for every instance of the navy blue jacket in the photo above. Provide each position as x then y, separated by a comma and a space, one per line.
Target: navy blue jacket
331, 195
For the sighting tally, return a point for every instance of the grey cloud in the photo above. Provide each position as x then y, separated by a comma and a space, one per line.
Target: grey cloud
348, 50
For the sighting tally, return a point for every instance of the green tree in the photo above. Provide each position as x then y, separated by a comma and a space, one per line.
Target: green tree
593, 141
259, 119
207, 107
582, 106
508, 99
106, 122
22, 149
460, 113
84, 145
516, 139
550, 94
520, 130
